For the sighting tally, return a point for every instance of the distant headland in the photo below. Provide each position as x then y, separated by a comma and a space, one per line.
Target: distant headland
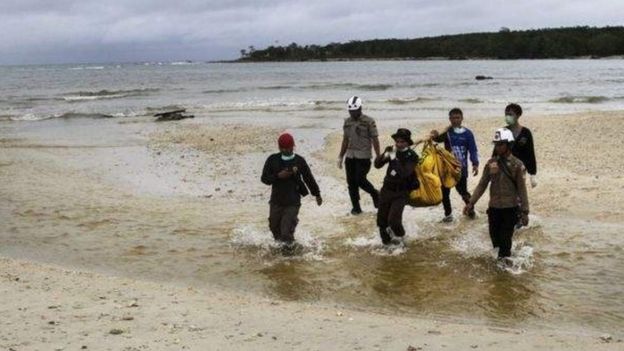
547, 43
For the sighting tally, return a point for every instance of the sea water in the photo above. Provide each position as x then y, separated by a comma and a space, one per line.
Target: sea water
66, 130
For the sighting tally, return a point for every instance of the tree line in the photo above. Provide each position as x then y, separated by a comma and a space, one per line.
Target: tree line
504, 44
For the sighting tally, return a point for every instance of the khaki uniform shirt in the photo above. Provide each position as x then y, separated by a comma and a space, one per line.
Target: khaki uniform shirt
504, 192
360, 133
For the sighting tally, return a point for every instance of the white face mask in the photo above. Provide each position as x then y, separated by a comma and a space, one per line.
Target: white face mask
288, 158
510, 120
459, 130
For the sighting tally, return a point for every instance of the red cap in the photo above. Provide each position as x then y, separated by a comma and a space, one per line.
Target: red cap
286, 141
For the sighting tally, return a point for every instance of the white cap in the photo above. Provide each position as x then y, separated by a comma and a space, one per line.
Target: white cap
503, 134
354, 103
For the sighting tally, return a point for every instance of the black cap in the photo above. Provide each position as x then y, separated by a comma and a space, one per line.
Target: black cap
404, 134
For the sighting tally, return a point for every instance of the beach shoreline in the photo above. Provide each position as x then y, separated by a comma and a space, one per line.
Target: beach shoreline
67, 309
170, 314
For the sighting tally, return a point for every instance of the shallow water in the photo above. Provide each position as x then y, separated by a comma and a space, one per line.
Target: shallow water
91, 192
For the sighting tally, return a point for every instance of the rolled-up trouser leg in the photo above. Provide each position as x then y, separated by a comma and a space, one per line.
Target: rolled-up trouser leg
289, 223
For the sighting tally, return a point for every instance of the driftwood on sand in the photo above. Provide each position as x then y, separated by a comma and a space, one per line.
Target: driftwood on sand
174, 115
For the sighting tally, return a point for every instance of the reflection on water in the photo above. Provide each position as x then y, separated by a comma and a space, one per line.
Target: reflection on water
292, 281
571, 276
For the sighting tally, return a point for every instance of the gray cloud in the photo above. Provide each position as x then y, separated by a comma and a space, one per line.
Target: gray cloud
39, 31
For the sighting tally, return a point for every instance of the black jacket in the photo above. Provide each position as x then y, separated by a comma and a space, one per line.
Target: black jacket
401, 173
524, 150
288, 192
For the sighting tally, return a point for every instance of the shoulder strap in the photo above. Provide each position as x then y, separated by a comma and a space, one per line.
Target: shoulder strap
507, 172
448, 137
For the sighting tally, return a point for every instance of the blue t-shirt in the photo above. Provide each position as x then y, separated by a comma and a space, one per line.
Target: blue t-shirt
461, 144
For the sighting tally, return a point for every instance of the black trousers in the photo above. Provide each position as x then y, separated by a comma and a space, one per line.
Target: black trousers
462, 189
357, 169
390, 213
283, 221
502, 223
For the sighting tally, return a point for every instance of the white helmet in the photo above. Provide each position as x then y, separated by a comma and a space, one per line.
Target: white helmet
354, 103
504, 135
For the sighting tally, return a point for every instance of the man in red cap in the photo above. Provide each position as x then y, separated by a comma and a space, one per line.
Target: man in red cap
290, 179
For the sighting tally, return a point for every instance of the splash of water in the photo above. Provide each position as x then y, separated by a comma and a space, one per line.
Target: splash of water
252, 237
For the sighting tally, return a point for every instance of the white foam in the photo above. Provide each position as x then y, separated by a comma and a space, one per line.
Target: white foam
471, 244
28, 117
521, 259
79, 68
262, 239
376, 247
93, 97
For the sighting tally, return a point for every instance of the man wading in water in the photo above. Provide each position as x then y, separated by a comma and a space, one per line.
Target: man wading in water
400, 180
507, 178
460, 141
290, 178
360, 134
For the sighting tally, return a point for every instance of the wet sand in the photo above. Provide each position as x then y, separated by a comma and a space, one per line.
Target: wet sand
166, 216
579, 159
58, 309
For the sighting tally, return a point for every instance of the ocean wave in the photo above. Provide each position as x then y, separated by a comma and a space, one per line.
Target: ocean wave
404, 101
327, 105
80, 68
323, 86
423, 85
276, 87
152, 109
106, 94
580, 99
349, 86
67, 115
223, 91
471, 101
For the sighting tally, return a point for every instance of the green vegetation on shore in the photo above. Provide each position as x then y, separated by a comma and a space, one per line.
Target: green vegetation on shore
505, 44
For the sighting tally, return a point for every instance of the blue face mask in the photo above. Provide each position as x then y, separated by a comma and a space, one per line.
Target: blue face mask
289, 157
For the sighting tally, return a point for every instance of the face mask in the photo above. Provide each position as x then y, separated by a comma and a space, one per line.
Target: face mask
459, 130
404, 149
510, 120
288, 158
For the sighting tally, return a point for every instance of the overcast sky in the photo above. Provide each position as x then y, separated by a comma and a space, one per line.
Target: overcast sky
56, 31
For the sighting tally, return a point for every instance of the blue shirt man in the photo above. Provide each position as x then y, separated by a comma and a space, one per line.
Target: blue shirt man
461, 142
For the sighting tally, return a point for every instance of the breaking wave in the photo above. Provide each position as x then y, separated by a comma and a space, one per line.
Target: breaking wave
80, 68
471, 101
324, 86
405, 101
580, 99
106, 94
66, 115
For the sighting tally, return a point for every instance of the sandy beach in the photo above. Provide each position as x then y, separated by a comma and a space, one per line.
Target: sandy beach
53, 308
76, 276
